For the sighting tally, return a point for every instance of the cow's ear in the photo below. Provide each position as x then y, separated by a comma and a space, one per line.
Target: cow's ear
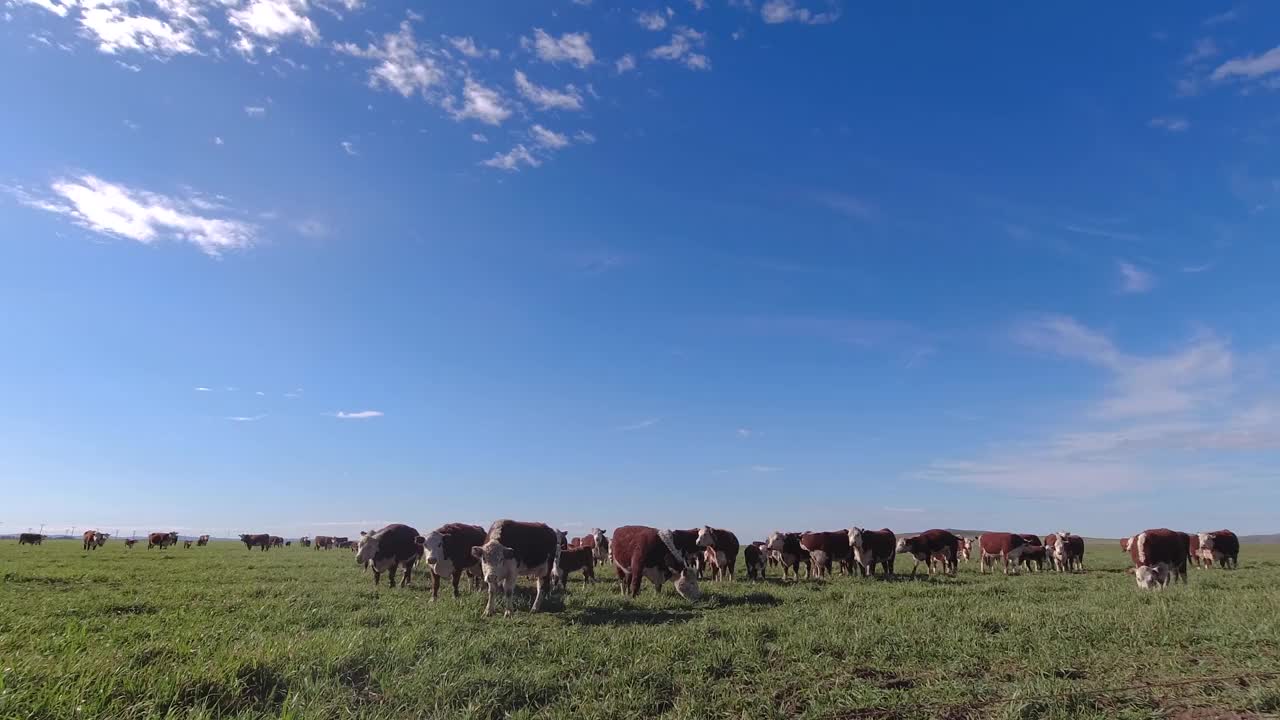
477, 552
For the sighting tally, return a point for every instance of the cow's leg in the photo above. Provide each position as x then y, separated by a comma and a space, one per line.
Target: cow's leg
377, 577
544, 587
435, 585
391, 573
488, 605
408, 575
457, 576
637, 575
510, 590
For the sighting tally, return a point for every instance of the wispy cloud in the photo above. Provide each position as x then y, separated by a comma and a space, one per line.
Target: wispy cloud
348, 147
244, 418
1133, 279
641, 425
573, 48
847, 205
765, 469
745, 432
513, 159
401, 63
468, 47
1249, 66
625, 64
1203, 49
775, 12
255, 111
1102, 233
652, 20
357, 414
1170, 123
546, 98
479, 102
203, 389
684, 48
1197, 268
1229, 16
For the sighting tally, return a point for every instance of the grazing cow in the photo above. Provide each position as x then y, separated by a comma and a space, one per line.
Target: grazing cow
202, 541
834, 544
90, 539
965, 551
753, 554
790, 553
394, 546
101, 538
304, 541
261, 540
1159, 557
1124, 543
514, 549
1002, 546
1221, 547
641, 552
924, 546
724, 547
324, 542
871, 548
448, 553
30, 539
162, 540
341, 542
1066, 550
572, 560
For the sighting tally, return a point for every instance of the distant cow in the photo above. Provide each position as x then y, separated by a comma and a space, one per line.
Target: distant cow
447, 550
514, 549
261, 540
572, 560
129, 543
790, 553
1066, 551
162, 540
724, 547
186, 544
202, 541
324, 542
342, 542
30, 539
870, 548
965, 551
641, 552
393, 547
596, 541
924, 546
277, 541
753, 555
100, 538
90, 539
1002, 546
835, 544
1159, 557
1221, 547
304, 541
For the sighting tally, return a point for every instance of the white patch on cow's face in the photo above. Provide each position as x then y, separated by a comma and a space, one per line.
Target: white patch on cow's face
774, 542
855, 538
433, 554
1206, 542
497, 564
1152, 577
598, 535
705, 537
901, 546
687, 586
367, 548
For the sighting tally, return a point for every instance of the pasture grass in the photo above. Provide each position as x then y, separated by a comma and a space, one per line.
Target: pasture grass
221, 632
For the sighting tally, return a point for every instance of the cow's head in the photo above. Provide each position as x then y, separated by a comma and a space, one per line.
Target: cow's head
433, 548
1060, 546
1151, 577
497, 561
1124, 543
367, 547
706, 538
598, 535
855, 538
775, 541
1206, 542
687, 585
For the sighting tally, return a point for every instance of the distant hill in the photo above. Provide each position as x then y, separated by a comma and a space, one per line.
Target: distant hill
1273, 539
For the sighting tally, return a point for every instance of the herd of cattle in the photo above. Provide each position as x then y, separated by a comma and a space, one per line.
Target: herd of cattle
511, 549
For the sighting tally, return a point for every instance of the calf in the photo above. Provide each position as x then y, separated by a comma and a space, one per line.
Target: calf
394, 546
261, 540
448, 553
90, 539
927, 544
304, 541
1221, 547
790, 553
601, 545
186, 544
1159, 557
129, 543
641, 552
202, 541
965, 551
753, 555
724, 551
1067, 551
277, 541
515, 549
871, 548
30, 539
1002, 546
819, 564
834, 544
1035, 557
573, 560
162, 540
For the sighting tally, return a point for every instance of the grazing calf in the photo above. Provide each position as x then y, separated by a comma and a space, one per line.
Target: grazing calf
514, 549
1221, 547
1159, 557
572, 560
790, 553
30, 539
129, 543
724, 551
924, 546
819, 564
202, 541
394, 546
753, 555
448, 553
834, 544
965, 551
1002, 546
261, 540
870, 548
162, 540
641, 552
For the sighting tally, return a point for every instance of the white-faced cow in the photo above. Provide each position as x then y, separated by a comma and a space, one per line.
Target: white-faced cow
641, 552
90, 539
789, 553
252, 540
1221, 547
323, 542
724, 551
1159, 557
514, 549
927, 544
1066, 551
871, 548
1007, 548
202, 541
395, 546
448, 553
162, 540
597, 541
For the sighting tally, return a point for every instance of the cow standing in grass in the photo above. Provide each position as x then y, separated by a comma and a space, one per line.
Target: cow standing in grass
258, 540
30, 539
1159, 557
90, 539
1007, 548
870, 548
202, 541
1221, 547
754, 557
641, 552
724, 551
790, 553
324, 542
926, 545
162, 540
572, 560
514, 549
1066, 551
447, 550
597, 541
834, 544
395, 546
129, 543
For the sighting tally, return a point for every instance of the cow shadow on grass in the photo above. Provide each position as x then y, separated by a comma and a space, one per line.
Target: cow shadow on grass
752, 599
595, 616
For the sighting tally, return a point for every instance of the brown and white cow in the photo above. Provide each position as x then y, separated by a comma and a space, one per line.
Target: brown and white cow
924, 546
871, 548
641, 552
260, 540
447, 550
514, 549
965, 551
202, 541
129, 543
1002, 546
724, 551
754, 556
277, 541
835, 544
1066, 551
304, 541
572, 560
597, 541
1159, 557
162, 540
396, 546
90, 539
819, 564
323, 542
1193, 549
1221, 547
30, 539
789, 553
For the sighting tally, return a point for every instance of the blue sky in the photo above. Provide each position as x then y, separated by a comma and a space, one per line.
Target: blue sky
308, 267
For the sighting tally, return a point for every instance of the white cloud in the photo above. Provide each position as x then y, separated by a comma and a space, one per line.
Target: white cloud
584, 137
274, 20
1251, 66
574, 48
217, 140
246, 418
259, 393
402, 65
1226, 17
479, 137
775, 12
683, 48
56, 8
548, 138
625, 64
641, 425
1204, 48
652, 21
850, 205
203, 389
116, 30
467, 46
348, 148
128, 66
513, 159
546, 98
699, 4
254, 111
146, 217
1170, 122
765, 468
1134, 279
358, 414
1197, 268
744, 432
479, 103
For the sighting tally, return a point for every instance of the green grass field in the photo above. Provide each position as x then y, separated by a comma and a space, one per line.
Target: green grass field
294, 633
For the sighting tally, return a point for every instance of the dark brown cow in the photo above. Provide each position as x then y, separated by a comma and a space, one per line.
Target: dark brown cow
1159, 557
1002, 546
261, 540
870, 548
448, 553
129, 543
162, 540
277, 541
789, 553
202, 541
30, 539
754, 556
342, 542
573, 560
1031, 539
597, 541
641, 552
1034, 557
924, 546
304, 541
324, 542
394, 546
514, 549
724, 547
834, 544
1221, 547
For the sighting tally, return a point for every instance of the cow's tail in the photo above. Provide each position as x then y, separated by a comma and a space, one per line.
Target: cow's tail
669, 539
1142, 549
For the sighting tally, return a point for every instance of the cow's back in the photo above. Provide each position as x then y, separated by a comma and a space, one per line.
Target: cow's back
533, 543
